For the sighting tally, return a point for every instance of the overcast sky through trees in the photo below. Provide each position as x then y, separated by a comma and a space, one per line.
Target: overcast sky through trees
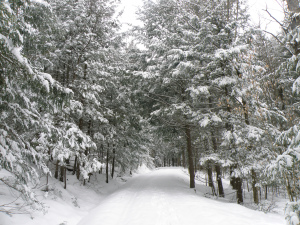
257, 9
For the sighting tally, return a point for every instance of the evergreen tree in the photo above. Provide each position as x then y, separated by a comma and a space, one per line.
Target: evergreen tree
26, 97
287, 86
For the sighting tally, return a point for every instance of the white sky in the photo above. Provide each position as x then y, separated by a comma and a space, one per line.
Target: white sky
130, 7
256, 8
259, 15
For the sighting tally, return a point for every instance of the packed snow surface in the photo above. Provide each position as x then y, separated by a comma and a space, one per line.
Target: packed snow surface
162, 197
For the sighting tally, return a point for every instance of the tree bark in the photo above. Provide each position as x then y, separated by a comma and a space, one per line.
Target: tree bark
190, 155
218, 167
253, 173
113, 162
239, 192
233, 178
228, 10
56, 170
67, 75
183, 158
74, 166
289, 190
107, 154
47, 184
64, 75
90, 130
62, 172
80, 124
78, 169
84, 71
210, 178
281, 96
219, 180
101, 156
254, 188
65, 177
195, 159
246, 113
237, 16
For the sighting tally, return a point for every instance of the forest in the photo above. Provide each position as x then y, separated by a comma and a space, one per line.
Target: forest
196, 86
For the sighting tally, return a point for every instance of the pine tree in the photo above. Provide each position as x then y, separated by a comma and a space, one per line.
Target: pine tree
287, 163
27, 97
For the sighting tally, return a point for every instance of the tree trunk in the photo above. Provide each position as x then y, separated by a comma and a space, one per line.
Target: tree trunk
62, 172
254, 188
237, 16
78, 169
102, 158
195, 159
253, 173
190, 155
289, 190
266, 192
239, 192
260, 193
67, 75
217, 166
219, 180
228, 10
233, 178
64, 76
74, 166
84, 71
80, 123
102, 153
47, 184
281, 96
90, 130
113, 162
65, 177
246, 113
183, 158
210, 178
56, 170
107, 154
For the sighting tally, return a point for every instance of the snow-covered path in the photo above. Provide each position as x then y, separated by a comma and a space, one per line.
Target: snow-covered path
162, 197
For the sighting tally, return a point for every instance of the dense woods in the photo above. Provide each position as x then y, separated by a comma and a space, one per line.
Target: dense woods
205, 91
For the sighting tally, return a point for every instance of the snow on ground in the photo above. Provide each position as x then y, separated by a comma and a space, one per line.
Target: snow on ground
156, 197
64, 207
162, 197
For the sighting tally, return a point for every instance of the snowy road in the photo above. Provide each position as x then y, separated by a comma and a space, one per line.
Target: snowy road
162, 197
